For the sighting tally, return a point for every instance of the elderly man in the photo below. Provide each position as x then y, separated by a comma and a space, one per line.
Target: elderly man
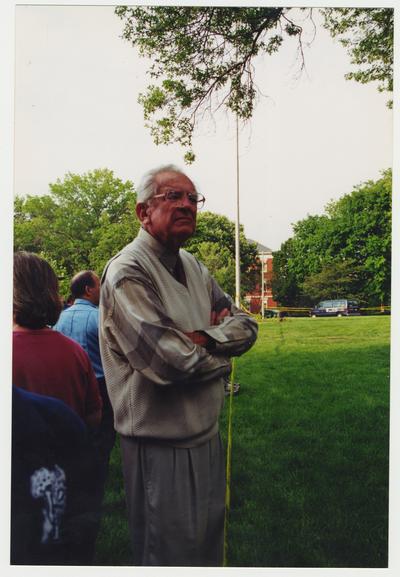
167, 332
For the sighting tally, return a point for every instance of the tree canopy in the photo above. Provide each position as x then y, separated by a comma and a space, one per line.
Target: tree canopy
202, 57
335, 280
367, 33
219, 262
347, 250
82, 222
86, 219
214, 245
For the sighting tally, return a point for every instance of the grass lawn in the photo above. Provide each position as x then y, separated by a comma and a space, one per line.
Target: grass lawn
310, 450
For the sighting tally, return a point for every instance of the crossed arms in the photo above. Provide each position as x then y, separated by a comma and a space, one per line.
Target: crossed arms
138, 330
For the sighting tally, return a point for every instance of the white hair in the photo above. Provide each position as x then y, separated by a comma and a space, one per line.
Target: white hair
147, 187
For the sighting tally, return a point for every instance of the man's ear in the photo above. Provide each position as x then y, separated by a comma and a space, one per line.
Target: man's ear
142, 209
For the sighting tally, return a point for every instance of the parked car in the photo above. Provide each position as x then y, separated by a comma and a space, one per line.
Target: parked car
335, 308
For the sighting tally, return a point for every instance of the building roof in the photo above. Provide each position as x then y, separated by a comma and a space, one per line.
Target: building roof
261, 247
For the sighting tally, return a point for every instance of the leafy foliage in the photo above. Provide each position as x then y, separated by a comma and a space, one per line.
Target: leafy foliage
219, 262
348, 249
367, 33
80, 224
333, 281
88, 218
304, 254
215, 239
202, 58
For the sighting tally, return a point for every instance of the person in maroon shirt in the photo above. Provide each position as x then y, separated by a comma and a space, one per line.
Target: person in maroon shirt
45, 361
49, 364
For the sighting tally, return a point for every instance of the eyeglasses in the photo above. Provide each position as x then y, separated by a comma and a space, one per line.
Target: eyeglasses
177, 195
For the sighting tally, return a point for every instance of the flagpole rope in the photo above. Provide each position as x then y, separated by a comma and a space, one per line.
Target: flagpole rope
228, 466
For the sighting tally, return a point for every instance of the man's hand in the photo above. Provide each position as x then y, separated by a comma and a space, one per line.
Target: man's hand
217, 318
198, 338
202, 339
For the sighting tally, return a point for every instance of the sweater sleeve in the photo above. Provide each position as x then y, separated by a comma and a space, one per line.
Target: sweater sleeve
237, 332
137, 327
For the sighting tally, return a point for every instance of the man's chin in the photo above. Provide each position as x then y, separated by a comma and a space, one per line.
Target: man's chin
183, 231
182, 227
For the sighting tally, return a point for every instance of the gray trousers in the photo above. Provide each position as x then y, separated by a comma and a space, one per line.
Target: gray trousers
175, 499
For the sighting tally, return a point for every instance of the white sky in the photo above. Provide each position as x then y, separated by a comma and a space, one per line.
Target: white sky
69, 89
310, 140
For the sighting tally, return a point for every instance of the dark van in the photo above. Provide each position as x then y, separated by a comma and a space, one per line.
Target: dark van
335, 308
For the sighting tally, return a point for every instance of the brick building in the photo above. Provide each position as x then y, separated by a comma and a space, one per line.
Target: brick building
263, 287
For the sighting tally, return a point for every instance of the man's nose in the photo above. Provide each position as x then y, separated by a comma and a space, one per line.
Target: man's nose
185, 202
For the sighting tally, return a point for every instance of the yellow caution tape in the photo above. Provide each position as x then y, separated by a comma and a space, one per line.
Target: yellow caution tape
382, 308
306, 309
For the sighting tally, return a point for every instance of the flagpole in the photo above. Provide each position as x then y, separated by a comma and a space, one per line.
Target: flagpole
232, 376
237, 223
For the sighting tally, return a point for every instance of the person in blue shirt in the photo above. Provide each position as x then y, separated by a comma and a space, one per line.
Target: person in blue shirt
80, 322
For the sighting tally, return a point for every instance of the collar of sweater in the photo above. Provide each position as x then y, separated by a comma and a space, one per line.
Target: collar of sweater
166, 256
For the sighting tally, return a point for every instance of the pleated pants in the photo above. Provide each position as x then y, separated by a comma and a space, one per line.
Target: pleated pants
175, 500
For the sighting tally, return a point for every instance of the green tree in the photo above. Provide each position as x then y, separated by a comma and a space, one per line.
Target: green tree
367, 34
355, 230
202, 57
82, 222
220, 231
87, 218
32, 218
299, 257
362, 232
219, 262
336, 280
285, 288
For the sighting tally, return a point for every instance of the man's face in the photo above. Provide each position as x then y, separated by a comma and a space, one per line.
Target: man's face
170, 222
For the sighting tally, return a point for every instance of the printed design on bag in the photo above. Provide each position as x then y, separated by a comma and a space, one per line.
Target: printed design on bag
50, 486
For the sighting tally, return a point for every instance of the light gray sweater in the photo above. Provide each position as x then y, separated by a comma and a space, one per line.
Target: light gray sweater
161, 385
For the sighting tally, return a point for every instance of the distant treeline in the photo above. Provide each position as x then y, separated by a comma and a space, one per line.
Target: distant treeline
86, 219
343, 253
